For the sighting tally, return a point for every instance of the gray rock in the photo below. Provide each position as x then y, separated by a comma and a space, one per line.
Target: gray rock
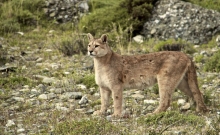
21, 130
10, 123
179, 19
139, 39
73, 95
51, 96
181, 102
18, 99
83, 100
150, 101
42, 97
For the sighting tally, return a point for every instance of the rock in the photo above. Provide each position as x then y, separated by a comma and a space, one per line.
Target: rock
81, 86
189, 22
137, 96
48, 80
58, 91
83, 100
51, 96
150, 101
74, 95
185, 107
21, 130
139, 39
18, 99
90, 111
150, 108
181, 102
42, 97
10, 123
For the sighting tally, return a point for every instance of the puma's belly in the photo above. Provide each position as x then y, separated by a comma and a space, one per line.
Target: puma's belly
139, 82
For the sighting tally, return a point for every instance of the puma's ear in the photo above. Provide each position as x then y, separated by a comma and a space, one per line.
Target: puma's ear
104, 38
90, 37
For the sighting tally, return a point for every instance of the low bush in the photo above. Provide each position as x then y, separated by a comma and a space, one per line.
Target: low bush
92, 126
123, 13
174, 45
213, 64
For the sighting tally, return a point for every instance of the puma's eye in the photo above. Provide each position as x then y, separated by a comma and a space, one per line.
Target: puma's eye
88, 45
96, 46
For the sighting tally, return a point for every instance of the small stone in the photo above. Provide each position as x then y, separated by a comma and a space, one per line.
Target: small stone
81, 86
51, 96
18, 99
21, 130
137, 96
181, 102
90, 111
74, 95
138, 39
186, 106
39, 60
48, 80
42, 97
150, 108
58, 91
10, 123
83, 100
150, 101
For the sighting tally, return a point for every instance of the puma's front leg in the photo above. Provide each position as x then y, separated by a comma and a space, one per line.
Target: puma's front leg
105, 95
117, 101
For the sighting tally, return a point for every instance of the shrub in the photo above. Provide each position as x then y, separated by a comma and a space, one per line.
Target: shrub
213, 63
71, 45
88, 127
132, 12
89, 81
15, 14
174, 45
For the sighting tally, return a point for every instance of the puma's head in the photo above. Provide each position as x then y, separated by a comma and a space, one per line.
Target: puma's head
97, 47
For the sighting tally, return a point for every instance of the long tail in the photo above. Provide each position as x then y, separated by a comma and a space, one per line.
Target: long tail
193, 84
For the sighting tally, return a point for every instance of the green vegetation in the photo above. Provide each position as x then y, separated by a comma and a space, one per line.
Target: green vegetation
171, 119
176, 45
123, 13
88, 80
91, 126
199, 58
16, 15
213, 63
210, 4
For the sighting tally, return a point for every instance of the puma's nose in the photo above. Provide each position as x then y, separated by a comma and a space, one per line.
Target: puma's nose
90, 52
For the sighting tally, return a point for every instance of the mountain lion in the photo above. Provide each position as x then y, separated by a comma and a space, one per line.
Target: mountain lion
114, 72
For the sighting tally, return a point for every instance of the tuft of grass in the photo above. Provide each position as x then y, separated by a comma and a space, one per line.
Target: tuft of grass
199, 58
176, 45
213, 63
89, 81
71, 45
15, 82
92, 126
170, 119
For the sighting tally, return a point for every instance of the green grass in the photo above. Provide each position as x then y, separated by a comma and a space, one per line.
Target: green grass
209, 4
213, 63
89, 126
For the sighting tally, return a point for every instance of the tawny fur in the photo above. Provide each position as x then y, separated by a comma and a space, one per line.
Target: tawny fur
114, 73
